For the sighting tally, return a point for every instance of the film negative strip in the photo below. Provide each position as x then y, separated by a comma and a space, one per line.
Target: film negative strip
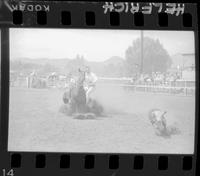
99, 88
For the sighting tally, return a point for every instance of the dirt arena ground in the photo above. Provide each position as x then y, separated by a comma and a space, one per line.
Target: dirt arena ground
35, 123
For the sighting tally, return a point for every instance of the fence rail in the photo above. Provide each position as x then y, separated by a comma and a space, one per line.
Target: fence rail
175, 90
171, 87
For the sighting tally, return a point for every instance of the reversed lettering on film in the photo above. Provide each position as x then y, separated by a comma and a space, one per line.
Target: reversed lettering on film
13, 5
169, 8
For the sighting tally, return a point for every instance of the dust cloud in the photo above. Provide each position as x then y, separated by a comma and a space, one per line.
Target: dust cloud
116, 99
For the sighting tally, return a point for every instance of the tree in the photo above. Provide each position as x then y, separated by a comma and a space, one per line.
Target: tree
155, 57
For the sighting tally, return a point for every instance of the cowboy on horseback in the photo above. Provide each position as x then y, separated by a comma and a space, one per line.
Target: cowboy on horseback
77, 96
87, 79
89, 83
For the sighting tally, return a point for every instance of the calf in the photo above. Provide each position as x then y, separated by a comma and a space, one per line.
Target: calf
158, 120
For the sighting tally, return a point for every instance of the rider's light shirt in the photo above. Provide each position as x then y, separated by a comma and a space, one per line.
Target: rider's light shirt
90, 79
72, 81
158, 115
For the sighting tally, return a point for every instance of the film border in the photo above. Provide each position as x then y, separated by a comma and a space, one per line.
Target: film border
23, 163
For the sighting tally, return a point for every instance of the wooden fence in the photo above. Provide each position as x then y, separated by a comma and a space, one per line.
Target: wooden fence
179, 87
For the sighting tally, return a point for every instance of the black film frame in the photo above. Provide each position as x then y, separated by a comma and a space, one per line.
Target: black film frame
30, 163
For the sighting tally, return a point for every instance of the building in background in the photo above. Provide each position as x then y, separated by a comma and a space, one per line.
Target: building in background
185, 64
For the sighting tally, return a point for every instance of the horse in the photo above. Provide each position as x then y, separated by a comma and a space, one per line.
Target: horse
76, 95
39, 83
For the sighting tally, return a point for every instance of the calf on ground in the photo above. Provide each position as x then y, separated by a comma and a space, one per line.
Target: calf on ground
158, 120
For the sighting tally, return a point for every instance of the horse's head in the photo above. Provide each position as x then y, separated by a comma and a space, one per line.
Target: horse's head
77, 86
81, 78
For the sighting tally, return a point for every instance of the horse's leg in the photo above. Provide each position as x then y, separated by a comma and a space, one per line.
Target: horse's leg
73, 107
81, 100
